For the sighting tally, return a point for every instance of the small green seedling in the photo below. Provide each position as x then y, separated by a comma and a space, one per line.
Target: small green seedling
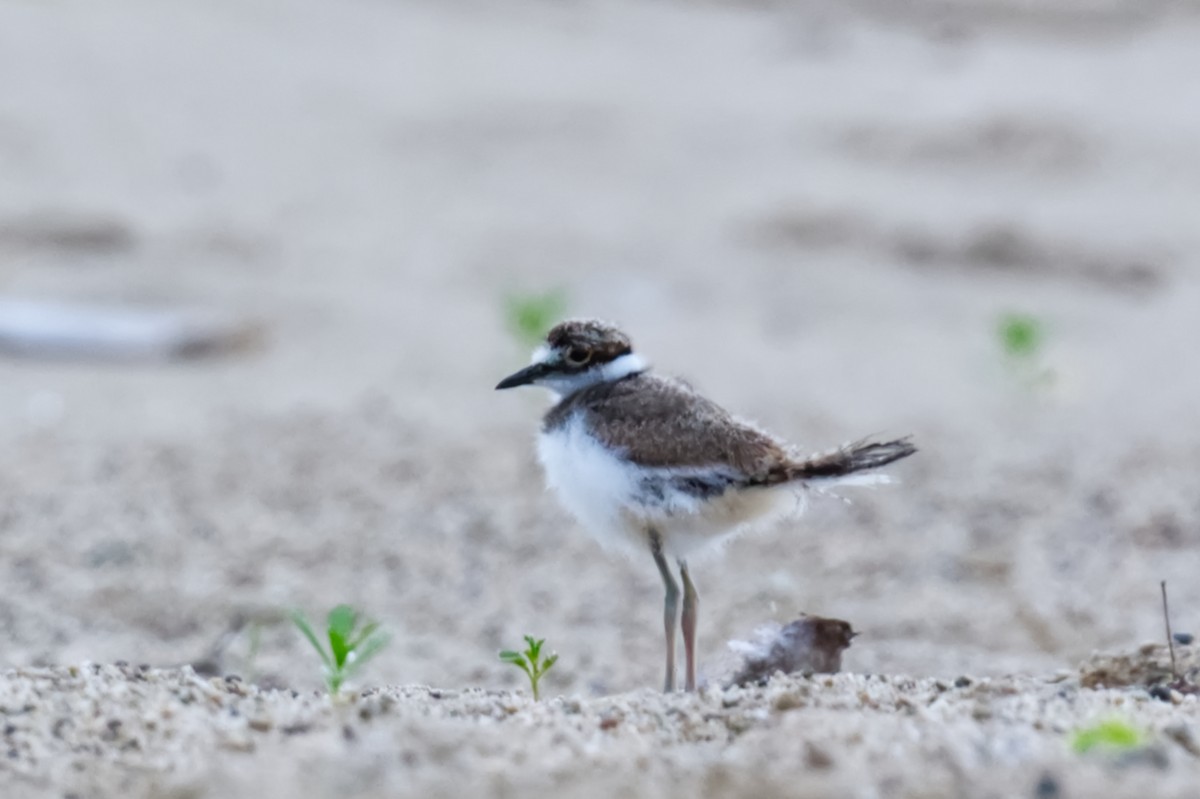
1022, 338
1020, 335
1113, 735
350, 646
530, 316
529, 662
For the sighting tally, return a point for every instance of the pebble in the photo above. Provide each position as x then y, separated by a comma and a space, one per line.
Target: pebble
1047, 788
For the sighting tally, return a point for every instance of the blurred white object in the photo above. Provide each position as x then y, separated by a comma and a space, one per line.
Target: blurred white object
39, 328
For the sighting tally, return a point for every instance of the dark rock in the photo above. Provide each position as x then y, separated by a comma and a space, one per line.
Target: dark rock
1047, 788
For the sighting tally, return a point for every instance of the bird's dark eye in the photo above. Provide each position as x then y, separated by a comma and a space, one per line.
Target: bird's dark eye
578, 356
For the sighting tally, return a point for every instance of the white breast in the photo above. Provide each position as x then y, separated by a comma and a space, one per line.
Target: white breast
592, 483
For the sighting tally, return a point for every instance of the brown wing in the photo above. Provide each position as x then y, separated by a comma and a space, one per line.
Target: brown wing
661, 422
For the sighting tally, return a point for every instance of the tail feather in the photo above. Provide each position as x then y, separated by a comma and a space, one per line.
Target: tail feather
857, 457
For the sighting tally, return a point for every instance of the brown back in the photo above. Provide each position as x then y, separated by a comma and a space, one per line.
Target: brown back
660, 422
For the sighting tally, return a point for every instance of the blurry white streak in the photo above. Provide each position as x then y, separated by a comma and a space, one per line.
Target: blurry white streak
49, 329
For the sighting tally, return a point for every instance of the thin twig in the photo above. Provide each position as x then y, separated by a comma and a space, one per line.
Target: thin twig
1167, 620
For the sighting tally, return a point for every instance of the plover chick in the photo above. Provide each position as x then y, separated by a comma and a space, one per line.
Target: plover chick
645, 462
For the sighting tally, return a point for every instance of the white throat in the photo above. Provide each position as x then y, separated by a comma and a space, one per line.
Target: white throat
617, 368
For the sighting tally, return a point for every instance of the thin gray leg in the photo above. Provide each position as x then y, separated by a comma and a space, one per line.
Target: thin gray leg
691, 614
670, 606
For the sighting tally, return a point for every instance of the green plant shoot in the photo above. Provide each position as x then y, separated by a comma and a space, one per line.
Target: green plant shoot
1020, 335
530, 316
350, 645
1113, 734
530, 662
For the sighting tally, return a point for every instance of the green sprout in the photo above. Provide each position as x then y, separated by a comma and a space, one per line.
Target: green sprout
1020, 335
350, 646
530, 316
529, 662
1111, 735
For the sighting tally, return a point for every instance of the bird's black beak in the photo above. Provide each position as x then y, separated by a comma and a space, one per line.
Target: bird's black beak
524, 377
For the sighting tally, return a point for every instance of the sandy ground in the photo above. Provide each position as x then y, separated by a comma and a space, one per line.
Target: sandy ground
145, 732
815, 212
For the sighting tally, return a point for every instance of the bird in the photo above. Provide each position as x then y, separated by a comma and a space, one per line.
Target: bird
646, 463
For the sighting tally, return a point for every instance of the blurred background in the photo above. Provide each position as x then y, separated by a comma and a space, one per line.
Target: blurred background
261, 264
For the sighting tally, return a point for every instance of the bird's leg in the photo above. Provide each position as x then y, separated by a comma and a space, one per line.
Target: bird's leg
691, 612
669, 607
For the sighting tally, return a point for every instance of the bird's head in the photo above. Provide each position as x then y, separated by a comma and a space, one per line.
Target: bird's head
578, 353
